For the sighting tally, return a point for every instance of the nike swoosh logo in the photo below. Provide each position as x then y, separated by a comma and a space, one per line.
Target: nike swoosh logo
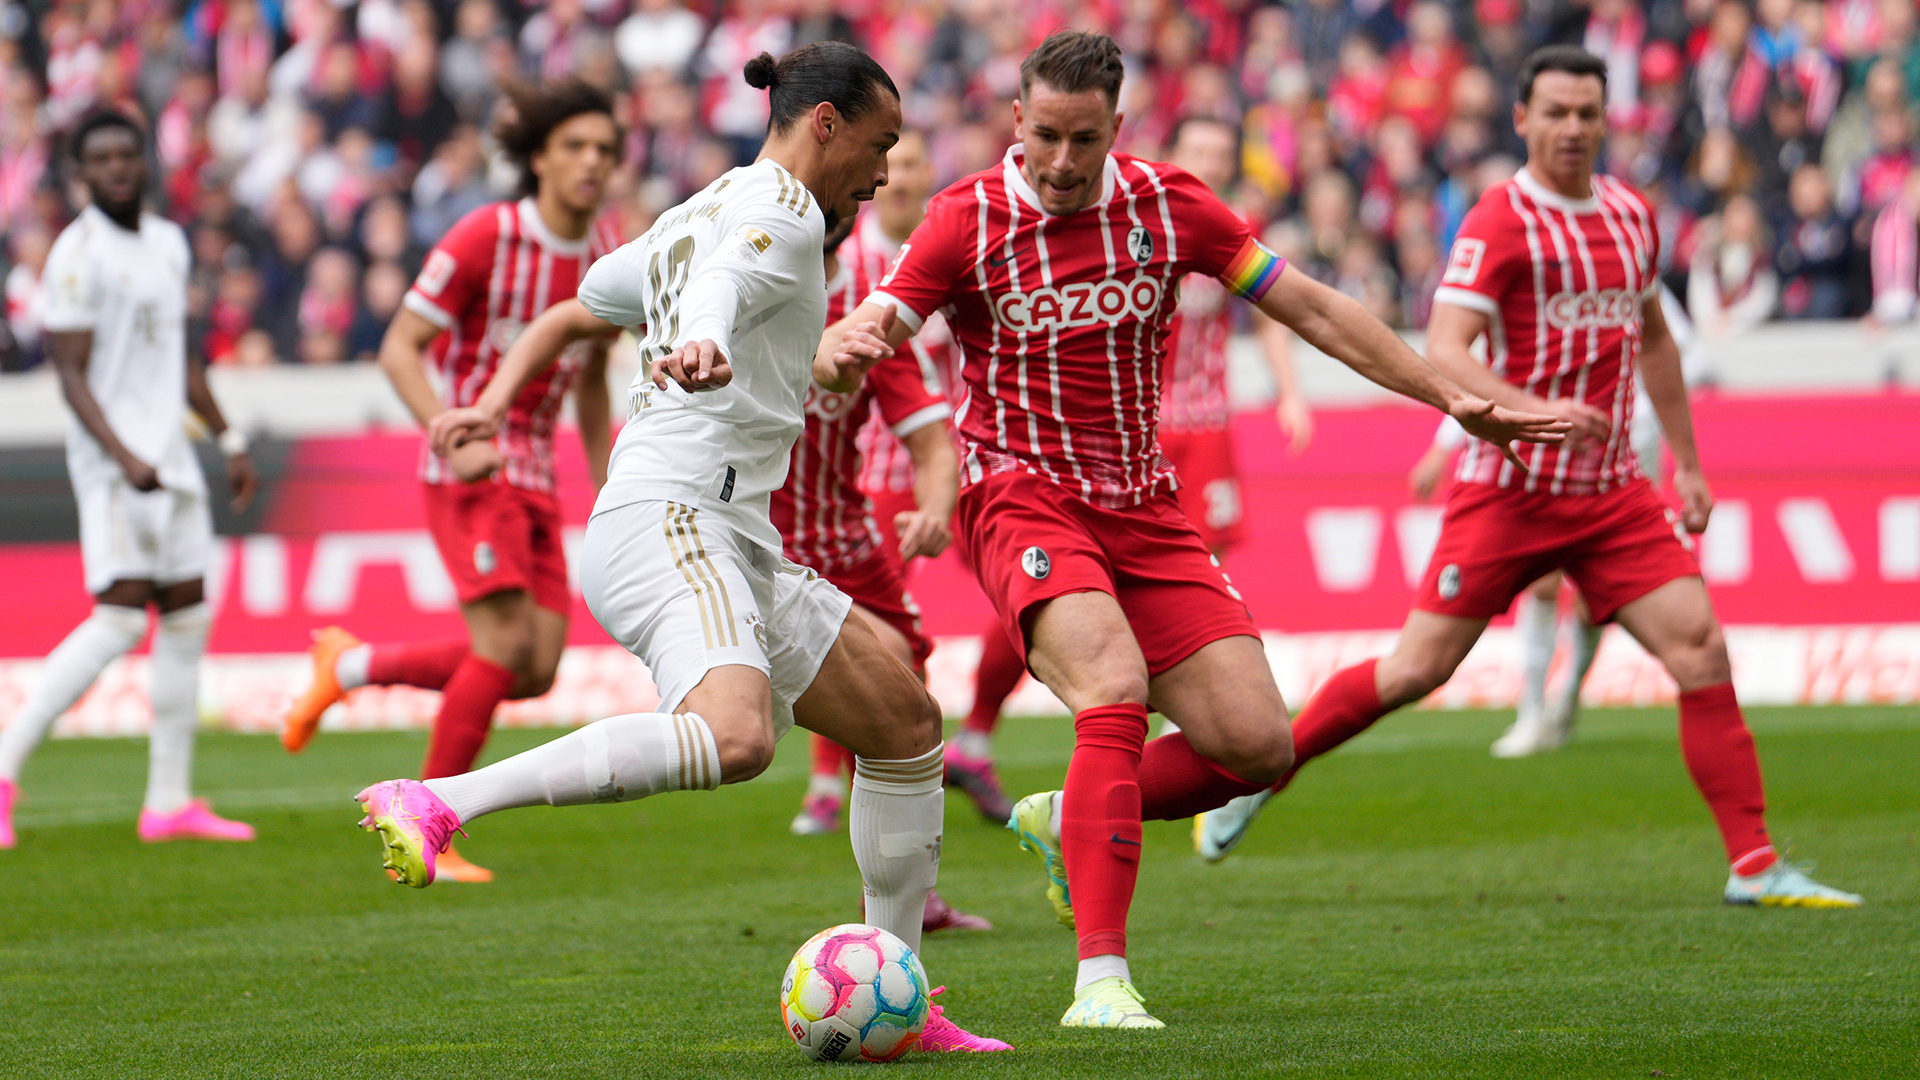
997, 262
1116, 838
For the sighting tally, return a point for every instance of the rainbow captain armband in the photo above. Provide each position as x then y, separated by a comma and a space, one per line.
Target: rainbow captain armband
1253, 271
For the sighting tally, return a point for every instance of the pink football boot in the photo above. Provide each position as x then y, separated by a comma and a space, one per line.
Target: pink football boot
7, 791
943, 1034
194, 821
415, 825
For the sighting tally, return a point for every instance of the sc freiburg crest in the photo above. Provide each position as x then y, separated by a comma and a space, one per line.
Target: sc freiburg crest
1140, 244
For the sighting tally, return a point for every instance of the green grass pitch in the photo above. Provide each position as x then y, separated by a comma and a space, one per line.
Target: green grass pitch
1411, 908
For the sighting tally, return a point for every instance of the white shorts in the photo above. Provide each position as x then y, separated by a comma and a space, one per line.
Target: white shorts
686, 594
162, 536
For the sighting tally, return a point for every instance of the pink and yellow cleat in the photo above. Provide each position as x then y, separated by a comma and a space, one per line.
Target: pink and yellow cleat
943, 1034
415, 825
194, 821
7, 791
303, 716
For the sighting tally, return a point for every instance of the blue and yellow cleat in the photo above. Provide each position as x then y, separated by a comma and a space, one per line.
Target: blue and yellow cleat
1111, 1002
1786, 885
1032, 822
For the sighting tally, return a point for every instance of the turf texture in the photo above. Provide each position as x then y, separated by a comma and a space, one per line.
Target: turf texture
1411, 908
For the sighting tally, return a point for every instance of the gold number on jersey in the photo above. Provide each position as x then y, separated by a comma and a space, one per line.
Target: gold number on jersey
664, 281
146, 324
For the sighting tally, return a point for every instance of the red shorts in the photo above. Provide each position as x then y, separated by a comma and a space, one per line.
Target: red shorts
494, 537
878, 583
1494, 542
1209, 484
1032, 541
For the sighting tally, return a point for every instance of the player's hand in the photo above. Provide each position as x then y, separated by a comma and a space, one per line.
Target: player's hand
1589, 423
1502, 426
455, 428
695, 366
921, 533
1696, 501
139, 474
242, 480
1296, 423
1426, 474
861, 347
474, 461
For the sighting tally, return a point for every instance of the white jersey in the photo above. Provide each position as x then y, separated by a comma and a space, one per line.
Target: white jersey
130, 290
739, 264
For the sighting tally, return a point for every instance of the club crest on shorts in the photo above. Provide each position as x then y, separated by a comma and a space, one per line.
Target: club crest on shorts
483, 557
1140, 244
1449, 581
1035, 562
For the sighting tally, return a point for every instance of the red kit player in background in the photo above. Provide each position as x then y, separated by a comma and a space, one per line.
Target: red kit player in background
1061, 267
491, 504
1556, 267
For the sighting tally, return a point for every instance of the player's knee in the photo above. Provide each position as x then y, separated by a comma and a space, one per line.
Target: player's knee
1412, 678
1262, 757
1699, 657
1115, 686
744, 754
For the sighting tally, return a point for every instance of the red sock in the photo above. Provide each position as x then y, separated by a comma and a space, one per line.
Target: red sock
1345, 706
1177, 781
427, 665
1719, 753
994, 680
1100, 823
830, 757
466, 716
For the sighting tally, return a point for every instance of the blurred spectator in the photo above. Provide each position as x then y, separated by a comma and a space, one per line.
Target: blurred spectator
1896, 255
1816, 250
472, 61
660, 36
29, 255
1732, 286
1420, 71
382, 289
328, 305
1850, 138
416, 115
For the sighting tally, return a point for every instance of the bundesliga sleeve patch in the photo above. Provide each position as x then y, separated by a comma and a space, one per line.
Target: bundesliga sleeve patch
1463, 262
1253, 271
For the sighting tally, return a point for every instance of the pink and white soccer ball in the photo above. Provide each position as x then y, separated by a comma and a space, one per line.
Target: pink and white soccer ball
854, 993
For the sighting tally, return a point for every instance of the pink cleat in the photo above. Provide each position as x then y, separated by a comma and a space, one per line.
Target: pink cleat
941, 915
975, 777
415, 825
8, 789
194, 821
943, 1034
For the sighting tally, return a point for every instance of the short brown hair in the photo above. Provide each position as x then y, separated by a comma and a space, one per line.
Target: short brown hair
1073, 60
537, 111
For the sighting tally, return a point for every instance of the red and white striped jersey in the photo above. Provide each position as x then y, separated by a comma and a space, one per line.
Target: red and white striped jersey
492, 274
1563, 282
1195, 397
824, 518
1061, 321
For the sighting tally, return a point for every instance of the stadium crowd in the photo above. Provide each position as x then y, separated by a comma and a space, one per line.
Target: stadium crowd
316, 149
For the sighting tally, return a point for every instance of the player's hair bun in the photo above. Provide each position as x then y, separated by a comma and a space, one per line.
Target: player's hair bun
761, 72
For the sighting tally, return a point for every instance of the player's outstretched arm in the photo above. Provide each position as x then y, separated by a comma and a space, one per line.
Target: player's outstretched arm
241, 478
1661, 374
1450, 336
1338, 326
1289, 406
537, 347
850, 347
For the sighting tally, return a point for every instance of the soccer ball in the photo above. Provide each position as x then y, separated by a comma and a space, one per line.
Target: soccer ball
854, 993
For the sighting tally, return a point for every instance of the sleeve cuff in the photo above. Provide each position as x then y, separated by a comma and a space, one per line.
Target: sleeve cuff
901, 309
1465, 298
932, 414
62, 323
427, 309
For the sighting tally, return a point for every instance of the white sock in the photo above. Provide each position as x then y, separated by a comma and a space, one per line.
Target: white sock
894, 821
1534, 623
178, 645
973, 744
350, 667
70, 668
1053, 816
617, 759
1104, 966
1583, 641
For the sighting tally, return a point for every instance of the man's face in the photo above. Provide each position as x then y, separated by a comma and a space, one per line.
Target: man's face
1563, 125
903, 202
579, 156
114, 169
1206, 149
856, 152
1066, 138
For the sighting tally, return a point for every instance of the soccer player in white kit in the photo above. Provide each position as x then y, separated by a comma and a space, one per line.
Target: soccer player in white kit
116, 296
681, 562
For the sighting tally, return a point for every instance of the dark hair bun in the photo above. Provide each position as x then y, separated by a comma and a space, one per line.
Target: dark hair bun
761, 72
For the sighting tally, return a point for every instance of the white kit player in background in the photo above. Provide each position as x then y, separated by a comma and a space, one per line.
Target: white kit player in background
681, 563
116, 312
1543, 721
